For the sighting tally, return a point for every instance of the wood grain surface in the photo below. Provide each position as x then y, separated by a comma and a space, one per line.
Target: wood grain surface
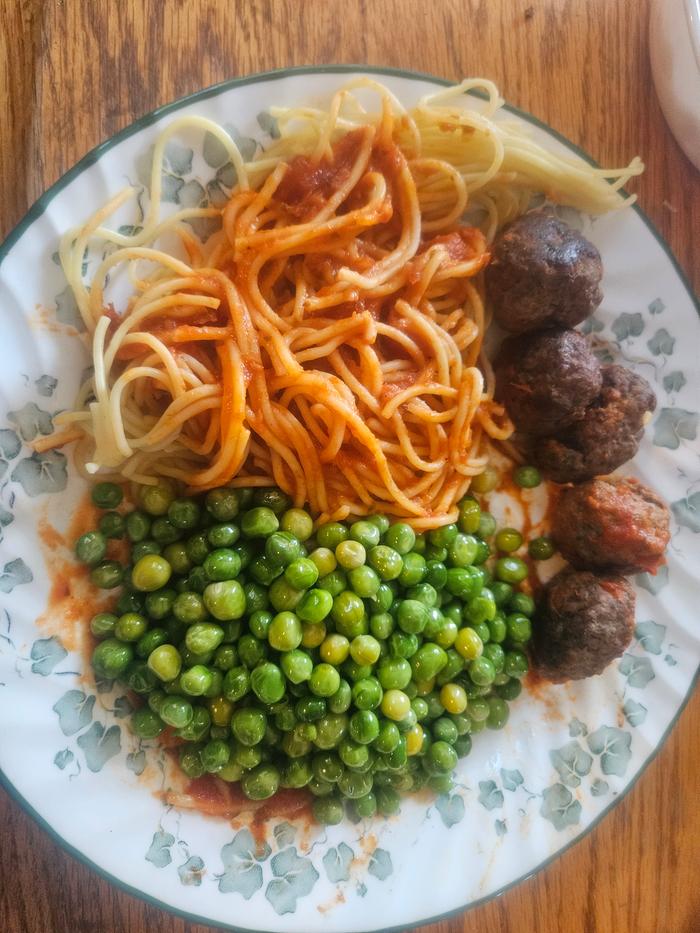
73, 72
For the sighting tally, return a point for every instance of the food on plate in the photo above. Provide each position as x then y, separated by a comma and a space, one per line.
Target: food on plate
607, 435
583, 622
547, 379
543, 274
352, 660
300, 407
612, 523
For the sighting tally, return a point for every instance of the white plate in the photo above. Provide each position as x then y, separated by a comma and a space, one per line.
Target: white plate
525, 794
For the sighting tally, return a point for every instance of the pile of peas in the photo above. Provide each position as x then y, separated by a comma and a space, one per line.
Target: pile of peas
356, 660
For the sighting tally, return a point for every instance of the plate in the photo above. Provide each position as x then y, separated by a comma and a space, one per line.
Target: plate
523, 795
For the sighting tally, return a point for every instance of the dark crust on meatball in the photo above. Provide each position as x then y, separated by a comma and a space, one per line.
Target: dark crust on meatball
607, 436
583, 623
547, 380
542, 274
613, 524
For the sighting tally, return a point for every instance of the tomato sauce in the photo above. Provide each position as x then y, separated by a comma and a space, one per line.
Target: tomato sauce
307, 186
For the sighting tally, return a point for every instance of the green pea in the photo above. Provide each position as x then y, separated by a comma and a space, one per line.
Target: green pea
508, 539
330, 729
267, 682
519, 627
412, 616
483, 552
350, 555
384, 597
102, 624
328, 811
527, 477
138, 526
324, 559
469, 514
225, 600
297, 666
511, 569
482, 671
354, 785
326, 766
251, 651
487, 525
365, 649
284, 633
156, 499
462, 550
196, 680
502, 592
272, 498
223, 504
463, 582
314, 605
112, 525
401, 537
176, 712
496, 656
130, 627
222, 564
348, 610
324, 680
386, 561
197, 547
364, 581
403, 645
262, 571
259, 522
481, 608
223, 535
106, 495
414, 569
107, 575
247, 758
334, 582
341, 699
236, 684
394, 673
142, 548
165, 662
164, 532
298, 523
435, 574
388, 801
515, 664
444, 730
420, 708
354, 671
151, 573
541, 548
184, 514
310, 709
248, 726
111, 658
260, 783
521, 602
433, 552
497, 629
204, 637
498, 713
428, 661
510, 690
198, 728
367, 693
365, 532
189, 608
381, 625
145, 724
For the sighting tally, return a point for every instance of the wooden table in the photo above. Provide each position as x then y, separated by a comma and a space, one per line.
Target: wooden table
76, 71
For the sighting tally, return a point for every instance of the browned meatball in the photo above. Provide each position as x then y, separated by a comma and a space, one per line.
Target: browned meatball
542, 274
547, 380
612, 523
606, 437
583, 622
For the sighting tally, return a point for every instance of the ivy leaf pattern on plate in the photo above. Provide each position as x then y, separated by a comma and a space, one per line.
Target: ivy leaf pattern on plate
294, 878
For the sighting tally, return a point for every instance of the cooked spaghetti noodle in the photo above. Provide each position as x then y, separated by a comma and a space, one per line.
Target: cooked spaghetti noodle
329, 338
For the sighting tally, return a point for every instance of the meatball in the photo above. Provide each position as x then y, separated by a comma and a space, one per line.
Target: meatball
612, 523
547, 380
606, 437
583, 622
542, 274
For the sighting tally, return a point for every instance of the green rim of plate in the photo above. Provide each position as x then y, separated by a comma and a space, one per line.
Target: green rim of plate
38, 208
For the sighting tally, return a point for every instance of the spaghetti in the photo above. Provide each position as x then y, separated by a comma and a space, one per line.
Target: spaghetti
329, 338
